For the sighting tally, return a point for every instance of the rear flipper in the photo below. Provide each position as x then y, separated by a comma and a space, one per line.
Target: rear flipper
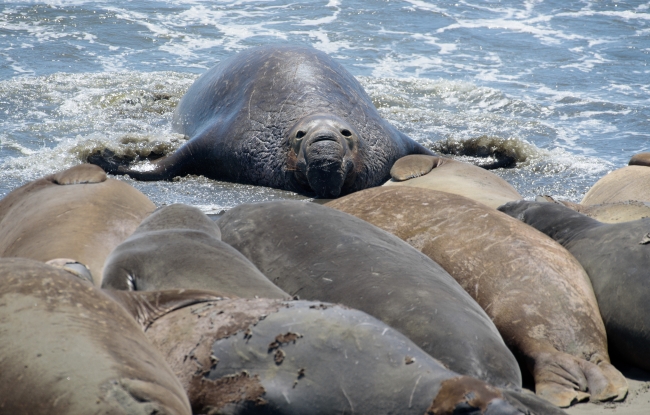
563, 379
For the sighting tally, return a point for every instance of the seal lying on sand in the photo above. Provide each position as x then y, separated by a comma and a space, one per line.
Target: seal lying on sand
67, 348
280, 116
178, 246
77, 213
447, 175
321, 254
617, 259
538, 295
262, 356
631, 182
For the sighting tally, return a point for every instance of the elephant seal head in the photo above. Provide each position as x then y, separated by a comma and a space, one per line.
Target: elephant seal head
323, 149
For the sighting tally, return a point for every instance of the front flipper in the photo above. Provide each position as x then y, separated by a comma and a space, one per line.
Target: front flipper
165, 168
412, 166
563, 379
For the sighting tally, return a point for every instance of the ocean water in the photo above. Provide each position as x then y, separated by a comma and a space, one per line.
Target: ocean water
564, 87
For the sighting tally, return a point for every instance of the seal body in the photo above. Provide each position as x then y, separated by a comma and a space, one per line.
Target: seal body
616, 257
321, 254
615, 212
178, 246
447, 175
262, 356
287, 117
67, 348
78, 213
538, 295
628, 183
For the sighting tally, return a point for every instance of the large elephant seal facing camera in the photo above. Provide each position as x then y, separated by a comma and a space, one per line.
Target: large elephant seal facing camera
280, 116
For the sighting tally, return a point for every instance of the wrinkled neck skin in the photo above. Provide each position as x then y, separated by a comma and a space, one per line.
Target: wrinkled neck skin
323, 155
557, 221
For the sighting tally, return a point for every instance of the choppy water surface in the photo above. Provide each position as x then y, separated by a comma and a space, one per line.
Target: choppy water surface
563, 86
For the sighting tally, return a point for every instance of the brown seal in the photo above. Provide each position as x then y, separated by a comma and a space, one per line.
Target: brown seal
447, 175
616, 212
67, 348
538, 295
631, 182
78, 213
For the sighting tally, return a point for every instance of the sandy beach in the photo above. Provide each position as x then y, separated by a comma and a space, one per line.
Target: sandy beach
637, 401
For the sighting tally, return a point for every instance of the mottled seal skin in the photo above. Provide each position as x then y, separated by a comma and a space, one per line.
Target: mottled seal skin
287, 117
616, 212
66, 348
631, 182
537, 294
178, 246
321, 254
263, 356
616, 258
452, 176
77, 213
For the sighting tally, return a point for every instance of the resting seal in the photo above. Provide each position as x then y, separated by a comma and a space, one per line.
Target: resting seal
77, 213
67, 348
538, 295
616, 257
322, 254
178, 246
287, 117
267, 356
607, 212
631, 182
447, 175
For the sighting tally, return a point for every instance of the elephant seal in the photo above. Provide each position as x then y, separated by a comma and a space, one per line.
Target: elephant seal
617, 259
321, 254
607, 212
67, 348
287, 117
267, 356
77, 213
178, 246
447, 175
628, 183
536, 293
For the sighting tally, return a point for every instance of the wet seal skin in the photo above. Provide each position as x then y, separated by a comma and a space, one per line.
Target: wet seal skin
631, 182
67, 348
281, 116
321, 254
335, 360
178, 246
77, 213
538, 295
452, 176
617, 259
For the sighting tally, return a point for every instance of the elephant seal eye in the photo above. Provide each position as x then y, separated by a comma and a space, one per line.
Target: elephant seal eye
300, 134
346, 133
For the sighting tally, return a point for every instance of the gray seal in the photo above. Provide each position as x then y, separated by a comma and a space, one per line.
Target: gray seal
263, 356
67, 348
178, 246
617, 259
287, 117
321, 254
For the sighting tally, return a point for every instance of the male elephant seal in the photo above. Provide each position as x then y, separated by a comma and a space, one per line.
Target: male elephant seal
321, 254
263, 356
617, 259
631, 182
178, 246
78, 213
538, 295
67, 348
287, 117
447, 175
